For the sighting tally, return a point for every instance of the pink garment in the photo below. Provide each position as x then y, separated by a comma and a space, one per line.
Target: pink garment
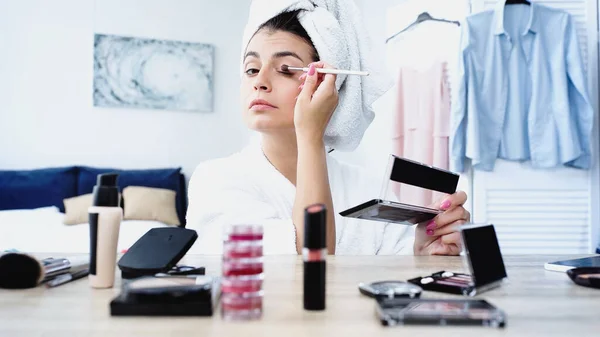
421, 128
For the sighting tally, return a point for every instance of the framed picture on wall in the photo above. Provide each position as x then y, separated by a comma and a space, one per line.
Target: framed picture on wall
131, 72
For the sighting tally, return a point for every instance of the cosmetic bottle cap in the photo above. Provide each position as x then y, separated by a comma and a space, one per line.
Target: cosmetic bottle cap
106, 192
315, 226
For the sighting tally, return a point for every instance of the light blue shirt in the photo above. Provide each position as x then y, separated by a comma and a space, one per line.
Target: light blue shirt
521, 92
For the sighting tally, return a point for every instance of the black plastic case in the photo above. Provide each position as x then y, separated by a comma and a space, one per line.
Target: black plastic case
156, 252
402, 311
198, 299
389, 211
581, 276
483, 258
413, 173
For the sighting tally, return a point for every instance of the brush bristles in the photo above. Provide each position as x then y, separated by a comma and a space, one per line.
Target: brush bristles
19, 271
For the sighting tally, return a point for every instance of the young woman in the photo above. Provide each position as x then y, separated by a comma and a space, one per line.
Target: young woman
272, 181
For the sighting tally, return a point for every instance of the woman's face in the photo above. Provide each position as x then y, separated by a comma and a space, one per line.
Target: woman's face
268, 95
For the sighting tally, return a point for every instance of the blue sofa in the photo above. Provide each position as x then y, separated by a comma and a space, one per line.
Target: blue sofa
29, 189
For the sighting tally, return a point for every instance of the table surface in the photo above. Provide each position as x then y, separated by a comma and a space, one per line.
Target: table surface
537, 303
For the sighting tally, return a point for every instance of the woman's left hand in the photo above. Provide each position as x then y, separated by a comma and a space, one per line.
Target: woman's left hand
440, 236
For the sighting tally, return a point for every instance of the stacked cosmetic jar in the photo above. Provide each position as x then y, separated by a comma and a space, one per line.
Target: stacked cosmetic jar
241, 285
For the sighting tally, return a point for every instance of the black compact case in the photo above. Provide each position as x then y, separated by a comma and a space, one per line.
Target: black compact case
482, 256
405, 171
585, 276
168, 296
444, 312
156, 252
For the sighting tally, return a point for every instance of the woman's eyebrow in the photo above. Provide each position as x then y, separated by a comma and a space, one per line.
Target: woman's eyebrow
285, 54
276, 55
251, 53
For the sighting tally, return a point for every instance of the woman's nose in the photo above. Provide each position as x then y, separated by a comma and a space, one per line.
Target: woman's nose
262, 82
261, 87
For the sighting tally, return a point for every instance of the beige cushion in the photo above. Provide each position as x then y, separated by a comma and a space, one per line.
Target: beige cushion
76, 209
148, 203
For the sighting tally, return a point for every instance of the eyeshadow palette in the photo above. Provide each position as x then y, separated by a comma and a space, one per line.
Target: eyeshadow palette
482, 255
444, 312
447, 282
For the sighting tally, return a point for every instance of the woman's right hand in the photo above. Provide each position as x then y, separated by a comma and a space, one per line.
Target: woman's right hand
316, 103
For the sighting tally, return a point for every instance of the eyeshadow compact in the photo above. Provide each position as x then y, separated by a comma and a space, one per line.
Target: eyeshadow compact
390, 289
481, 254
585, 276
447, 282
444, 312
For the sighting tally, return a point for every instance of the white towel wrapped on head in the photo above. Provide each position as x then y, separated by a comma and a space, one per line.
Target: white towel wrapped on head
340, 38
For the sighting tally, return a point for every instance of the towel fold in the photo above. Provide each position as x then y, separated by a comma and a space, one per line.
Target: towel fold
340, 38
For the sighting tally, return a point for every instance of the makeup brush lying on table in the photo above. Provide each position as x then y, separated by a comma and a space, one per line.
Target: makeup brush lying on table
286, 68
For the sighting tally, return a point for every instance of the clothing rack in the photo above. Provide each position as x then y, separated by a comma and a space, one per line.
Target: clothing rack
425, 16
518, 2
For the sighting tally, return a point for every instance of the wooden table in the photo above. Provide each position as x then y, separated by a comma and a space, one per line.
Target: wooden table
537, 303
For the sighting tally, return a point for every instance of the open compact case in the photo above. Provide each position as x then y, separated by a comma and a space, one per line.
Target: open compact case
482, 257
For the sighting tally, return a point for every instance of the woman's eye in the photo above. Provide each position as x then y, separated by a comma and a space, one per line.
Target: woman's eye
288, 73
251, 71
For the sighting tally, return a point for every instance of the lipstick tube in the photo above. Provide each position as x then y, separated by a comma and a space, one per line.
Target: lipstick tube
314, 254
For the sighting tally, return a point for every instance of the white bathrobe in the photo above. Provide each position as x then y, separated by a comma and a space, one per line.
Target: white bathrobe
246, 188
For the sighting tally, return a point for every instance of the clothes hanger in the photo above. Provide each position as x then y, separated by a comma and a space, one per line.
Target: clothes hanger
517, 2
425, 16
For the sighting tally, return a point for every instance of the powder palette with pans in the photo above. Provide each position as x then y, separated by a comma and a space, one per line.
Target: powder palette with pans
585, 276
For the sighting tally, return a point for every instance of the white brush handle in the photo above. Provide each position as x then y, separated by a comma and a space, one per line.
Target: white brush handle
333, 71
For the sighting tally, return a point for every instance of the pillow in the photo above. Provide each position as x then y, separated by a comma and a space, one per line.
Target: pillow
168, 178
29, 189
149, 203
76, 209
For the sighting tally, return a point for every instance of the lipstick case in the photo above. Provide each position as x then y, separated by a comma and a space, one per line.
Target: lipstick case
314, 254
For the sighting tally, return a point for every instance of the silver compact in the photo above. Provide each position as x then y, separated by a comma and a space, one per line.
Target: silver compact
390, 289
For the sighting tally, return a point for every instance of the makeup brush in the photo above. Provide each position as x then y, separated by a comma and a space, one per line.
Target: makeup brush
22, 271
286, 68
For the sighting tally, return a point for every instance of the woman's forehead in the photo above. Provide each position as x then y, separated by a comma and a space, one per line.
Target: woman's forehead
266, 44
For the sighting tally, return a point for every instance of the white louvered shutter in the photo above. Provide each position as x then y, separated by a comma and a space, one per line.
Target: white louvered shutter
542, 211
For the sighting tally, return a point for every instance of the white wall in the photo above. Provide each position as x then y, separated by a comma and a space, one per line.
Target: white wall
46, 71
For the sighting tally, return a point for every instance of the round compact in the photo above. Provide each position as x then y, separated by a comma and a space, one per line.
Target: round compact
585, 276
390, 289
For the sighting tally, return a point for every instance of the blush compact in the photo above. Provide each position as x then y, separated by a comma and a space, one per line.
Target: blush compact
481, 255
585, 276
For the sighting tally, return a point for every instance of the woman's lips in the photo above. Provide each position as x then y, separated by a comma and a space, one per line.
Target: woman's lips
261, 105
